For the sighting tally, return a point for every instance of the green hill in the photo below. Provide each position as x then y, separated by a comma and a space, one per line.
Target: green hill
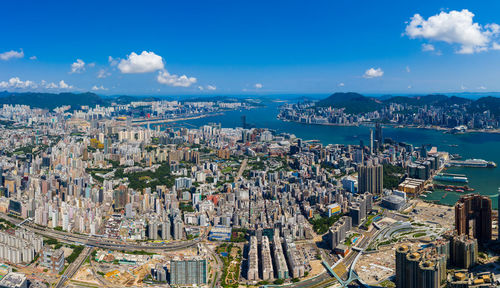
486, 103
353, 103
51, 101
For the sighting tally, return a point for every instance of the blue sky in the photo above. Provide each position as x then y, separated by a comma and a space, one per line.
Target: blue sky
255, 47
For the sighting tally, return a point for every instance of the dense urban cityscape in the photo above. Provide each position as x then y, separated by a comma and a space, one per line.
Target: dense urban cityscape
249, 144
119, 196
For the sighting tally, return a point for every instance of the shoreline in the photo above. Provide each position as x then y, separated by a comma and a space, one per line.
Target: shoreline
396, 126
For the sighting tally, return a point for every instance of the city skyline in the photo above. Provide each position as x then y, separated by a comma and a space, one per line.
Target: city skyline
253, 48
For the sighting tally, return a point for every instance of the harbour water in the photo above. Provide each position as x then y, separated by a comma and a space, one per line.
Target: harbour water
486, 146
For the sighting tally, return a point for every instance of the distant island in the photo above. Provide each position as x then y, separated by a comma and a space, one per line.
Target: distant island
77, 100
456, 114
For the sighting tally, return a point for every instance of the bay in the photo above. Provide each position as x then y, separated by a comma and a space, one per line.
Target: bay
486, 146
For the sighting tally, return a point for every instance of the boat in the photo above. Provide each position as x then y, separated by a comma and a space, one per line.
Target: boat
451, 177
479, 163
460, 190
448, 189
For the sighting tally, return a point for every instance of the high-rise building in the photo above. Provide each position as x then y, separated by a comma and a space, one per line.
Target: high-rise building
473, 217
370, 179
419, 269
378, 133
463, 250
188, 272
371, 141
253, 260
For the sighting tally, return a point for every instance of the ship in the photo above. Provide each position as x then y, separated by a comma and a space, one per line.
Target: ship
479, 163
451, 177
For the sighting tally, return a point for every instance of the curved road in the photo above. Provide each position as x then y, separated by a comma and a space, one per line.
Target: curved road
111, 244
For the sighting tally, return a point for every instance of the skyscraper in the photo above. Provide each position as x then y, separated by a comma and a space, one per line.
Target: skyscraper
378, 133
370, 179
473, 217
371, 141
188, 272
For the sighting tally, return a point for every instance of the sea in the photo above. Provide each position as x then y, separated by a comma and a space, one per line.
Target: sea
485, 146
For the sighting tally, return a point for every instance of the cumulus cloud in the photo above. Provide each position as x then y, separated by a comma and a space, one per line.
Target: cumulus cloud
17, 83
33, 58
373, 73
11, 55
103, 73
495, 46
211, 87
91, 65
173, 80
78, 66
341, 84
145, 62
258, 86
96, 88
52, 85
63, 85
454, 27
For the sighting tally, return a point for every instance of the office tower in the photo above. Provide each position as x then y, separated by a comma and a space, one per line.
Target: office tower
378, 133
188, 272
370, 179
473, 217
371, 141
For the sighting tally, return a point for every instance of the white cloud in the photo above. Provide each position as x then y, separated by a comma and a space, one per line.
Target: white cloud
495, 46
145, 62
33, 58
454, 27
258, 86
463, 87
78, 66
211, 87
91, 65
103, 73
409, 86
200, 88
341, 84
96, 88
11, 55
481, 88
113, 61
17, 83
427, 47
173, 80
408, 69
52, 85
63, 85
372, 73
